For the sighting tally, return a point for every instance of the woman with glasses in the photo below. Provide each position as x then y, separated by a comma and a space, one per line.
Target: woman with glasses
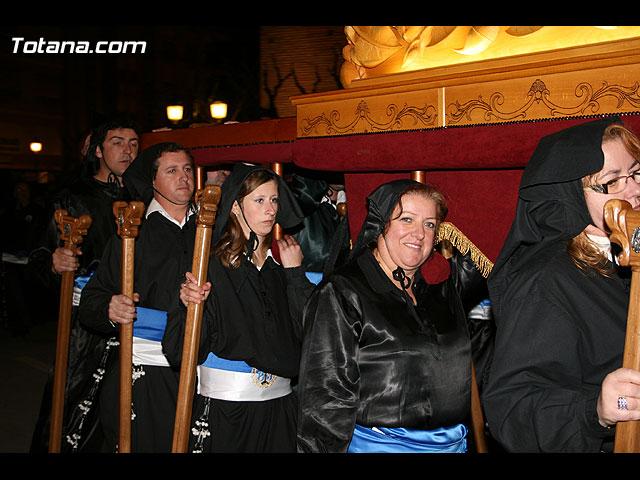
560, 300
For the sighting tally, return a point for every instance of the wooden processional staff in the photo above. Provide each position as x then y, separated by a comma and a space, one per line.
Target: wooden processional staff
72, 230
624, 223
207, 200
128, 218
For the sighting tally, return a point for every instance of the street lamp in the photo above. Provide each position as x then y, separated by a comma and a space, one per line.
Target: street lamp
175, 112
218, 110
35, 146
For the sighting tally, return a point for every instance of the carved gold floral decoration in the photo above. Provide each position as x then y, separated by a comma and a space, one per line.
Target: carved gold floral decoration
363, 122
539, 94
374, 51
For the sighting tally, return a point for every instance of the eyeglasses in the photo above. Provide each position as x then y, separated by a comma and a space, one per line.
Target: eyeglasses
616, 185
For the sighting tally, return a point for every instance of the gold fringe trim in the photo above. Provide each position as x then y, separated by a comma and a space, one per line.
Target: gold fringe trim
448, 231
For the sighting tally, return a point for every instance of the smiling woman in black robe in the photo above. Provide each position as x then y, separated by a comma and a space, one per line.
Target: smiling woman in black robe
386, 361
560, 301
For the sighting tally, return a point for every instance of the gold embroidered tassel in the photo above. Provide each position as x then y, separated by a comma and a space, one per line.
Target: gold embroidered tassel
448, 231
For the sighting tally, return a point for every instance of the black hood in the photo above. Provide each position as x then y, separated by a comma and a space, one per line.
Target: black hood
308, 191
551, 206
289, 213
138, 178
380, 205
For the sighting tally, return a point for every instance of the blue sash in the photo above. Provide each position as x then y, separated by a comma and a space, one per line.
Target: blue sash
150, 324
81, 281
314, 277
404, 440
214, 361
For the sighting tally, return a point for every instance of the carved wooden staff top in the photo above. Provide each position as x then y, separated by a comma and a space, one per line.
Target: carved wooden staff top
624, 223
72, 230
207, 200
128, 219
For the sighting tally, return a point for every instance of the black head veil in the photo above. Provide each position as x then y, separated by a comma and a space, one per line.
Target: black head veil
138, 178
289, 212
551, 206
380, 205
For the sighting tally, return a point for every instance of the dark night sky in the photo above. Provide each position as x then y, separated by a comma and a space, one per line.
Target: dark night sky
191, 64
180, 63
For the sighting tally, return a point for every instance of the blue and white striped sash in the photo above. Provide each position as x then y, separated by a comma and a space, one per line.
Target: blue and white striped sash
148, 330
79, 283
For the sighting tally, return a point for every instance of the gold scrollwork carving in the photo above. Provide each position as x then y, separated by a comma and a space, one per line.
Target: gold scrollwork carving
539, 94
426, 116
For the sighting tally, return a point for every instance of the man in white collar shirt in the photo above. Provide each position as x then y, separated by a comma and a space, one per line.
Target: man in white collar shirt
163, 178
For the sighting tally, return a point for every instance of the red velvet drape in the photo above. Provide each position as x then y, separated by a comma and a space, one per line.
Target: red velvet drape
477, 167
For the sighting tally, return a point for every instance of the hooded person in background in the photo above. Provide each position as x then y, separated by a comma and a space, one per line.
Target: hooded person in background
163, 178
251, 328
560, 300
318, 200
113, 145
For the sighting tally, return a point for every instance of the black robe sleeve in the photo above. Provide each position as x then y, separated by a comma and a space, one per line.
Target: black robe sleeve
330, 382
472, 288
561, 336
103, 284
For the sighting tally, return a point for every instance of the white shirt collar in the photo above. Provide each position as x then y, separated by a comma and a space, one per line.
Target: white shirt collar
269, 254
603, 244
154, 206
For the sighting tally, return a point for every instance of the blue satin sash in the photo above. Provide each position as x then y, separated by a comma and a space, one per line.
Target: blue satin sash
213, 361
150, 324
405, 440
81, 280
314, 277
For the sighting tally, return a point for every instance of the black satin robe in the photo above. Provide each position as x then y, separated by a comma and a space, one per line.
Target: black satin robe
86, 347
373, 358
320, 222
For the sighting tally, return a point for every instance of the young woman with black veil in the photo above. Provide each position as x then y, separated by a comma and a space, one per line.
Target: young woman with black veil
251, 329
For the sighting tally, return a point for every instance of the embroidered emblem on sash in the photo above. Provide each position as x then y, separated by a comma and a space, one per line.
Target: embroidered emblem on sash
262, 379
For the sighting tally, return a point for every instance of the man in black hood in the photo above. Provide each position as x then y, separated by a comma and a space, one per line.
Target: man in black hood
163, 178
560, 300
